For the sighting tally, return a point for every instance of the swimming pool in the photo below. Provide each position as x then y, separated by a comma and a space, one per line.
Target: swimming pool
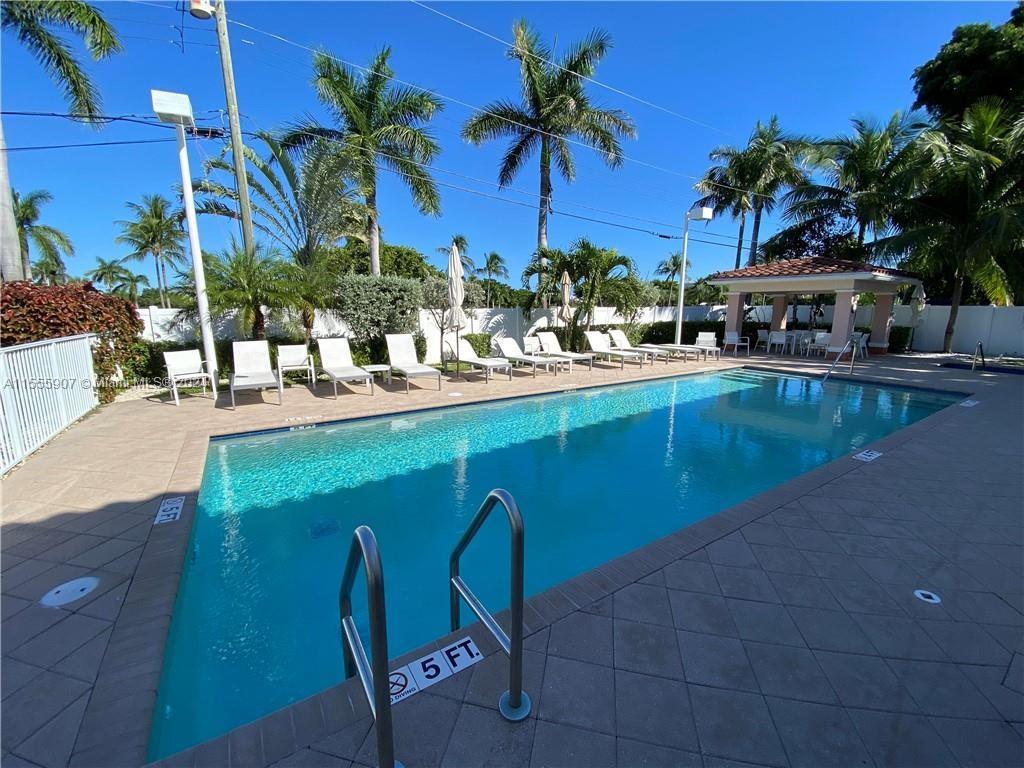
596, 473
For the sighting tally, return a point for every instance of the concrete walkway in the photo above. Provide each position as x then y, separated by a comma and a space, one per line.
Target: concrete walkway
782, 631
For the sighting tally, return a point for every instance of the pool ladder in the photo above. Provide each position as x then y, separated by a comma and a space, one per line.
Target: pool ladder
853, 356
514, 704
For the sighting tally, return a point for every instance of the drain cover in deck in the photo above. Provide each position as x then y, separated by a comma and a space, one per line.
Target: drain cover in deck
927, 596
69, 591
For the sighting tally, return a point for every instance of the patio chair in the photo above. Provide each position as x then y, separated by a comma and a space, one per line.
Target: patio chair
187, 367
336, 363
252, 369
860, 341
762, 339
778, 339
550, 346
709, 341
509, 347
295, 357
732, 338
819, 344
621, 341
486, 364
403, 360
598, 342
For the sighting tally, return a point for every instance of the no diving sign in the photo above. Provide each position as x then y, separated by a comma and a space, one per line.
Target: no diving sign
432, 668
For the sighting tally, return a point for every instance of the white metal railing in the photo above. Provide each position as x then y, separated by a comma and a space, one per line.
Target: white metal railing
45, 386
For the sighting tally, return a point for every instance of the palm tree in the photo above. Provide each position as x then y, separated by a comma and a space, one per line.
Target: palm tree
304, 204
867, 176
379, 124
555, 110
35, 24
969, 213
48, 241
155, 231
670, 269
494, 266
107, 272
129, 284
249, 282
50, 270
725, 189
462, 243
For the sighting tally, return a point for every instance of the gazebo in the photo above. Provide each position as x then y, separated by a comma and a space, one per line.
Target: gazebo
818, 274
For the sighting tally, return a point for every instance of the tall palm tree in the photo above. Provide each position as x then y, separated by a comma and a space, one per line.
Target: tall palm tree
867, 175
726, 190
128, 285
381, 124
107, 272
554, 110
494, 267
967, 220
50, 270
36, 24
462, 243
154, 232
48, 241
670, 269
254, 283
301, 201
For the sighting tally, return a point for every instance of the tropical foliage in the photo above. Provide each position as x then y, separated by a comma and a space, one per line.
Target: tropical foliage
494, 266
380, 125
49, 243
256, 283
670, 269
154, 232
555, 112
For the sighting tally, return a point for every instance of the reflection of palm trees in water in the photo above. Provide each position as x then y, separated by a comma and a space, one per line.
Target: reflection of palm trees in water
563, 427
461, 464
671, 425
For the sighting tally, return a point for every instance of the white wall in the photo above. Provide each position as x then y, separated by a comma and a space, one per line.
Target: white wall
1000, 329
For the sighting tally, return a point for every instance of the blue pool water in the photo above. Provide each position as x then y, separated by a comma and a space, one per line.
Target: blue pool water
596, 473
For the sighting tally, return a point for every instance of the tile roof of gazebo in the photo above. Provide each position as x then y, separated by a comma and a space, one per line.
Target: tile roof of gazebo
817, 273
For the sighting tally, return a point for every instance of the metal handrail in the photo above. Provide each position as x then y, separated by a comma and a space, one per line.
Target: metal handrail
373, 675
514, 704
853, 356
979, 351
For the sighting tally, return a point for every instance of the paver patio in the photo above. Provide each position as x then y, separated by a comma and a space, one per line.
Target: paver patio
782, 631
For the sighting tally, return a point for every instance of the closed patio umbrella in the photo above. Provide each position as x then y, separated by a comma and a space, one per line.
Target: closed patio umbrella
456, 295
565, 311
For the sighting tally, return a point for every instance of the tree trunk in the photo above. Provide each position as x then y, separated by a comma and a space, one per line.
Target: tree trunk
739, 238
752, 257
544, 208
12, 266
259, 323
862, 228
159, 282
308, 318
373, 233
167, 297
954, 310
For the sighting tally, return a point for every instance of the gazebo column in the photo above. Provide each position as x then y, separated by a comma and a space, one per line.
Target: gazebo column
780, 305
734, 312
881, 322
842, 320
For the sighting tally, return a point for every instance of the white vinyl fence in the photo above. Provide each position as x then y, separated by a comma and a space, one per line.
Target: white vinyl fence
44, 387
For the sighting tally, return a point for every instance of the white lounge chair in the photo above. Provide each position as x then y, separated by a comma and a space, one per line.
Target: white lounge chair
819, 344
778, 339
402, 357
621, 341
336, 363
295, 357
733, 339
762, 340
709, 341
509, 347
252, 369
598, 342
550, 346
187, 367
486, 364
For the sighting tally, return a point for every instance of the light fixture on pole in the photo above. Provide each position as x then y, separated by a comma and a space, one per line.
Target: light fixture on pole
694, 214
176, 109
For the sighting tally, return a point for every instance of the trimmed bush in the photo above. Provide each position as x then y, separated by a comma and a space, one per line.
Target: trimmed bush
374, 306
38, 312
480, 342
899, 338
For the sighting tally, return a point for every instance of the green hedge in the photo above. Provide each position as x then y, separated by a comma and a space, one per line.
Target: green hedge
480, 342
899, 338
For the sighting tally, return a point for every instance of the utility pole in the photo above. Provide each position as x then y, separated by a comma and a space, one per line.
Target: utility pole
237, 147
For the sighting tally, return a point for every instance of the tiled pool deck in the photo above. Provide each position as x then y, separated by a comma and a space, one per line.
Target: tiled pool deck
782, 631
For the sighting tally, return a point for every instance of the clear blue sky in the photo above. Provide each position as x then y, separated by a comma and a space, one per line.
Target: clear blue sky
725, 65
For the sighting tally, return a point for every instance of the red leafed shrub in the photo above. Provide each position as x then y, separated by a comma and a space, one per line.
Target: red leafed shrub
36, 312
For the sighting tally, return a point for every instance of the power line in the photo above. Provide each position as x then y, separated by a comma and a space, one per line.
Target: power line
555, 64
438, 94
89, 144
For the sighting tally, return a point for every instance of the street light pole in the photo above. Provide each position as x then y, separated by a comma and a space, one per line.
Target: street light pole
237, 147
696, 214
175, 108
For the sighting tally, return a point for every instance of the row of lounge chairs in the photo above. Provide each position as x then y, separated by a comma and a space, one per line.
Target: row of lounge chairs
252, 368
